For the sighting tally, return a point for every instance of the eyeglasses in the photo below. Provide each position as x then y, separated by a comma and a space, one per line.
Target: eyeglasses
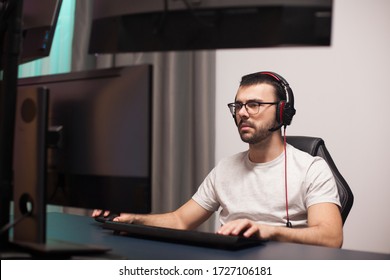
252, 107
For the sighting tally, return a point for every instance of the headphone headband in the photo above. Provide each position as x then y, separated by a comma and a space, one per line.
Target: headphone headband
285, 111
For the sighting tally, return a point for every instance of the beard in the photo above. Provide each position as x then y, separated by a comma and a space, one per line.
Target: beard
262, 132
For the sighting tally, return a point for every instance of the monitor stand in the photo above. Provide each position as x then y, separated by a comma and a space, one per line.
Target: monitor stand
29, 164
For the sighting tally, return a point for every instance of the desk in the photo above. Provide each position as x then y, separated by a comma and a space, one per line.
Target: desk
81, 229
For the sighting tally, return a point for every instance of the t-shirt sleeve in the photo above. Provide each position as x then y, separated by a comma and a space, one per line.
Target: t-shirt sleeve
322, 184
206, 196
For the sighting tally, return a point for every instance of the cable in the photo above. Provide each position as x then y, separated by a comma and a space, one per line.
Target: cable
288, 223
14, 223
26, 208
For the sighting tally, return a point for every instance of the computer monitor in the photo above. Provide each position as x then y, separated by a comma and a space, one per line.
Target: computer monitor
103, 119
39, 23
96, 150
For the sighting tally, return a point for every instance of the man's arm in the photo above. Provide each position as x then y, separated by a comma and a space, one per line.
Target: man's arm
188, 216
324, 228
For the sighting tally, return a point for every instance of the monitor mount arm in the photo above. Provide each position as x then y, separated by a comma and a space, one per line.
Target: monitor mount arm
11, 16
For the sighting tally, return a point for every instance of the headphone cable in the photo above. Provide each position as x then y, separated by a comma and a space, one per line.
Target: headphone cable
288, 223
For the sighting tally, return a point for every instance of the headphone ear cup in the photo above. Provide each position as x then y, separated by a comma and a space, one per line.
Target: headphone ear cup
280, 112
288, 114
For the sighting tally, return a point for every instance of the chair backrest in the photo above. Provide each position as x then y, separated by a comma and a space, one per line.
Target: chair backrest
316, 147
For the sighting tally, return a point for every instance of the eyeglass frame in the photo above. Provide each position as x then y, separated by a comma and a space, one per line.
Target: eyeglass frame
232, 106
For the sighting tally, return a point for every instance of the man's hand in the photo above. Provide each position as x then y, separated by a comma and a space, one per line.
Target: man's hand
243, 227
123, 217
99, 212
325, 228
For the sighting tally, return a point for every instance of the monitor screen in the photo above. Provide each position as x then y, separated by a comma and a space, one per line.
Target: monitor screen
38, 28
99, 146
39, 22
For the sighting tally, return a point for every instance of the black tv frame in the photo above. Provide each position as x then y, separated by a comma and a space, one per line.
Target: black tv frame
153, 25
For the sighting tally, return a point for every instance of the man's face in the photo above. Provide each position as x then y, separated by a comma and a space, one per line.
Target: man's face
254, 128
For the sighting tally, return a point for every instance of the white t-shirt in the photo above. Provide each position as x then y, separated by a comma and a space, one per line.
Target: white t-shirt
243, 189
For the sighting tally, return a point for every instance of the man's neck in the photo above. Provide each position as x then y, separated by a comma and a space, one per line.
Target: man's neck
266, 150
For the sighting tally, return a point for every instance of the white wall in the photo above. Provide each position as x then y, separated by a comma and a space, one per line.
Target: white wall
342, 94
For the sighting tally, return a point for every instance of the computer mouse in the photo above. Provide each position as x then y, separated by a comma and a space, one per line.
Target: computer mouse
102, 219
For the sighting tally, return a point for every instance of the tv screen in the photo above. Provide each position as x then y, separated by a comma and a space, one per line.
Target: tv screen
154, 25
99, 146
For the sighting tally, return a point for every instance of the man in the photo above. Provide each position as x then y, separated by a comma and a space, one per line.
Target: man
267, 187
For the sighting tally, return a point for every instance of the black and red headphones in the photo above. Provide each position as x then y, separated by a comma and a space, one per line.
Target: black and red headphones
285, 110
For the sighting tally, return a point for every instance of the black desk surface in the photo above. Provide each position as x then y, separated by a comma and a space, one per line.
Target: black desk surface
85, 230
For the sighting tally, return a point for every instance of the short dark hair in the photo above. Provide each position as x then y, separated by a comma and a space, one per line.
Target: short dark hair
260, 78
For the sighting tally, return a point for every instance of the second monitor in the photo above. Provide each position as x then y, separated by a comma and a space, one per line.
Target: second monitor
102, 120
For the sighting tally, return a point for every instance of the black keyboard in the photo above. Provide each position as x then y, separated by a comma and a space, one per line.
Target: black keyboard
188, 237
